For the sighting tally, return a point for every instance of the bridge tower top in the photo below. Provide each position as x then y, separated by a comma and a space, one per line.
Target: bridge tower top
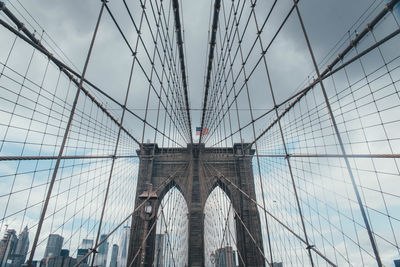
238, 149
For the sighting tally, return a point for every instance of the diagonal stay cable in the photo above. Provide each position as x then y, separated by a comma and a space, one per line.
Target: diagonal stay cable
159, 188
251, 236
161, 214
54, 175
214, 28
155, 223
179, 41
30, 39
36, 44
330, 68
313, 248
171, 64
245, 227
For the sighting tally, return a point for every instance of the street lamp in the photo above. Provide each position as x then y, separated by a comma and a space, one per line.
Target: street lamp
149, 196
148, 208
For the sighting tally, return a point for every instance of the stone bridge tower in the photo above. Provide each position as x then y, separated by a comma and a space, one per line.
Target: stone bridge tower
183, 165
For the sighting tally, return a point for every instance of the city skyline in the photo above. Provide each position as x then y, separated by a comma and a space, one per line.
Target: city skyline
13, 248
298, 162
14, 251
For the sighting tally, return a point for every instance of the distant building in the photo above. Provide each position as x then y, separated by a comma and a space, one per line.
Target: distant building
7, 247
224, 257
63, 260
123, 248
69, 262
54, 245
114, 256
81, 253
158, 260
55, 261
87, 244
21, 250
103, 247
101, 256
277, 264
35, 263
64, 253
17, 260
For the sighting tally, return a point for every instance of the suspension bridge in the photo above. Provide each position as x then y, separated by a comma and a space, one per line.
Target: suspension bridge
284, 150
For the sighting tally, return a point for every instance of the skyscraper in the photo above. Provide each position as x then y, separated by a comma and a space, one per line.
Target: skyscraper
87, 243
224, 257
69, 262
101, 257
64, 260
54, 245
103, 247
114, 256
81, 253
21, 249
64, 253
7, 247
123, 248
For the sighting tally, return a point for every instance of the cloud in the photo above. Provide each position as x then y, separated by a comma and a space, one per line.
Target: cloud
39, 119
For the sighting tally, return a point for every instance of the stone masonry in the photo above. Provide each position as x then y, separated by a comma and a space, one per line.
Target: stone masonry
184, 166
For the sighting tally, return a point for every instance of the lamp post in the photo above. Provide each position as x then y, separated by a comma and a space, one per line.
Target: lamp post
147, 213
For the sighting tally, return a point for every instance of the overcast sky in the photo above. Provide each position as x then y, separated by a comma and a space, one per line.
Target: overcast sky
70, 24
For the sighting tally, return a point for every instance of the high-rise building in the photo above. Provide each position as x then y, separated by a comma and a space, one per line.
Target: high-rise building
21, 249
103, 247
81, 253
101, 256
87, 244
123, 248
224, 257
7, 247
55, 261
69, 262
64, 253
114, 256
54, 245
17, 260
64, 260
35, 263
159, 250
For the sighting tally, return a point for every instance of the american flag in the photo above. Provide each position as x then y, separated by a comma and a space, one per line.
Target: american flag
205, 131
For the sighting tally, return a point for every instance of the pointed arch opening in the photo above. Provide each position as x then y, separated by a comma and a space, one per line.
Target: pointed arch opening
219, 230
171, 243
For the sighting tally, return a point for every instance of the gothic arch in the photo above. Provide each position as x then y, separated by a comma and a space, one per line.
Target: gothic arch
195, 185
171, 240
168, 187
219, 234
